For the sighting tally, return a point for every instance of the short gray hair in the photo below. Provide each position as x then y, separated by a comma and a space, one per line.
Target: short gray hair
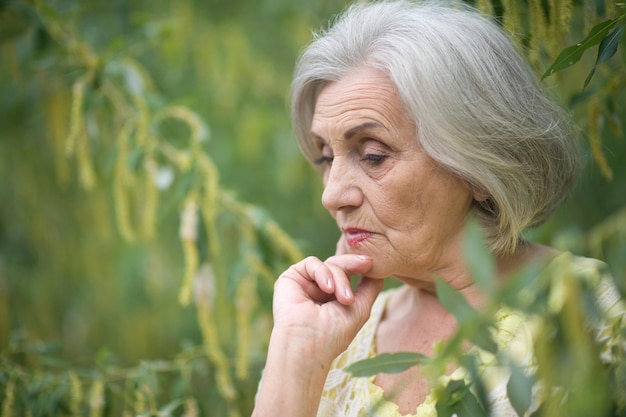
479, 108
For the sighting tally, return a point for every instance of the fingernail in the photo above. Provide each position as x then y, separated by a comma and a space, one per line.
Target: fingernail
329, 284
348, 293
364, 257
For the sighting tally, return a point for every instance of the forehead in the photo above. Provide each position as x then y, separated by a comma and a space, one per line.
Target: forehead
364, 96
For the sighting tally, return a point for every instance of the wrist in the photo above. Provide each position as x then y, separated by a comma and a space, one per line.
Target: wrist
293, 378
302, 347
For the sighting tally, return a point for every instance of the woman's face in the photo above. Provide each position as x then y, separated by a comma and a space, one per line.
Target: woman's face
390, 200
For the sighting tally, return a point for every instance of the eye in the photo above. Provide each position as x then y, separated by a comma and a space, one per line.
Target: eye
374, 159
323, 160
326, 158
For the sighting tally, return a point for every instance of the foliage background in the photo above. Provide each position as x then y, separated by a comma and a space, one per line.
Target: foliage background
90, 316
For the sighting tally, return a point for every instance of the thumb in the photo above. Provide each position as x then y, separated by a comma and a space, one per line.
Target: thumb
365, 294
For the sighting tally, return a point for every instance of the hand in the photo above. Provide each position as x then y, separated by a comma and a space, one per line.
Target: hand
316, 309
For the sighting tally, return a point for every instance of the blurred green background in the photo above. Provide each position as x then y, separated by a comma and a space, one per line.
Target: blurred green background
86, 312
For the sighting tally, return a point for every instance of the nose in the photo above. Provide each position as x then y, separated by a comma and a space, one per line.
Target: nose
341, 186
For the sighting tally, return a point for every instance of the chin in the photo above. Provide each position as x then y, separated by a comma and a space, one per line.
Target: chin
378, 273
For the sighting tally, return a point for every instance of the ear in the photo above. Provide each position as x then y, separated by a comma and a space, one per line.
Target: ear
479, 194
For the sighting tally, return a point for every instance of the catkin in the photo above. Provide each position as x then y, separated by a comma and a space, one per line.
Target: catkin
86, 175
188, 233
55, 103
511, 17
199, 131
245, 303
282, 241
139, 404
538, 30
204, 290
76, 115
120, 182
485, 6
615, 85
589, 15
553, 7
560, 19
565, 16
151, 197
610, 9
9, 398
143, 121
116, 98
96, 398
76, 394
191, 407
215, 353
595, 123
210, 207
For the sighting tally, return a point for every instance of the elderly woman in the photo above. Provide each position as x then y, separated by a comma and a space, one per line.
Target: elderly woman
416, 116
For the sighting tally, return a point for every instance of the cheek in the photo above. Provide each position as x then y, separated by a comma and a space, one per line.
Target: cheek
398, 210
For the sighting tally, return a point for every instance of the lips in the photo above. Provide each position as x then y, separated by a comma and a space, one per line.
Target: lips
354, 237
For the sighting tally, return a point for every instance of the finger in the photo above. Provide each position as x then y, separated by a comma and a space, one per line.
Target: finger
343, 267
341, 284
318, 272
351, 264
295, 278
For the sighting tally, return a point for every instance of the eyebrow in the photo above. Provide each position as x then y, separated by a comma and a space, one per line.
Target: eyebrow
352, 131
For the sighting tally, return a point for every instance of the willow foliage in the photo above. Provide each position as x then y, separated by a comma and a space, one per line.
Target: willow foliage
114, 200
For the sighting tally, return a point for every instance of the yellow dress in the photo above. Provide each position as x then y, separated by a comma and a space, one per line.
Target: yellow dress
347, 396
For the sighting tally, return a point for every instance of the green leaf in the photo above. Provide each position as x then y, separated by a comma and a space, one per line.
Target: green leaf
470, 323
607, 48
519, 390
454, 302
469, 363
520, 290
457, 399
478, 256
389, 363
168, 409
573, 53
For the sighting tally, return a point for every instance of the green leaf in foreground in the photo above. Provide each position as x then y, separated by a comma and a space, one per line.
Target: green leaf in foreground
519, 390
454, 302
389, 363
607, 48
458, 400
572, 54
479, 257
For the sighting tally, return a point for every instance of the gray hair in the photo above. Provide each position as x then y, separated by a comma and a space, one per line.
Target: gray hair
479, 108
